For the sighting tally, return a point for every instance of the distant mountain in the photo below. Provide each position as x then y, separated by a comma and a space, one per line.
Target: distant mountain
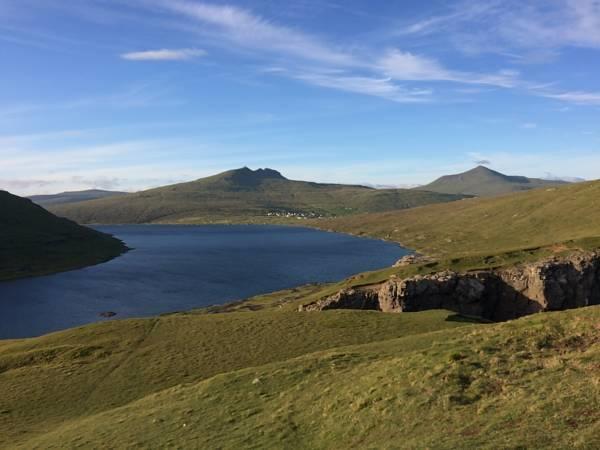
73, 197
34, 241
484, 182
244, 195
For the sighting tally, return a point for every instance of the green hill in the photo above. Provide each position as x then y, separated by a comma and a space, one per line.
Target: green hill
73, 197
290, 380
35, 242
484, 182
564, 216
244, 195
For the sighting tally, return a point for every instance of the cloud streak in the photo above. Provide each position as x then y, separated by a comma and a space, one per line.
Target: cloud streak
184, 54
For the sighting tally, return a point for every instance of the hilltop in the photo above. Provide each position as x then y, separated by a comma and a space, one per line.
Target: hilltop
484, 182
73, 197
34, 241
245, 195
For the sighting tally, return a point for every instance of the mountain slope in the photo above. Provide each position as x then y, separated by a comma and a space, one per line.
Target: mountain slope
483, 182
565, 215
33, 241
244, 195
530, 383
73, 197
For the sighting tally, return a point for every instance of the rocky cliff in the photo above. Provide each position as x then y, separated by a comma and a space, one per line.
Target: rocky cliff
503, 294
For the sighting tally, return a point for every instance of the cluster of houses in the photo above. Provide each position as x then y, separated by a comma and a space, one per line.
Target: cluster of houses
298, 215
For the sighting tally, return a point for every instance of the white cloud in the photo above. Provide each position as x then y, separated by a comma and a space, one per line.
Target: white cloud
378, 87
251, 31
406, 66
529, 126
183, 54
576, 97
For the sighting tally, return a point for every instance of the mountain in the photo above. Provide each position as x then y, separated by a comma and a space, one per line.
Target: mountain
34, 241
244, 195
484, 182
73, 197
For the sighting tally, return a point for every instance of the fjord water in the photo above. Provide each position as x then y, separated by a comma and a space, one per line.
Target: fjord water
176, 268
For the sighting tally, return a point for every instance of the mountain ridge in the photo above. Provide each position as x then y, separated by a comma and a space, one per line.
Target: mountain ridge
244, 195
484, 182
73, 196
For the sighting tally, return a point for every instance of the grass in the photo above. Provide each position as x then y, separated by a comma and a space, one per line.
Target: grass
530, 383
34, 242
65, 376
554, 219
244, 196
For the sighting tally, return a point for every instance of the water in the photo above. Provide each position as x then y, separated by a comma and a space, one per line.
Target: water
176, 268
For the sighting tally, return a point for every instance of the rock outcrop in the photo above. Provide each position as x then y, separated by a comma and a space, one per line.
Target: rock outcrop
503, 294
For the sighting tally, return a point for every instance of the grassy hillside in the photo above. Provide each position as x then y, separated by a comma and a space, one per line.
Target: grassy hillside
562, 217
531, 383
244, 196
34, 242
73, 197
64, 377
483, 182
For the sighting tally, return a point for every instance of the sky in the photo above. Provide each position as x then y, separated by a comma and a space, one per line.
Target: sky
132, 94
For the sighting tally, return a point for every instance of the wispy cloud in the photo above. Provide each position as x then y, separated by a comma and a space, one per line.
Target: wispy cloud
500, 26
407, 66
183, 54
252, 31
378, 87
529, 126
576, 97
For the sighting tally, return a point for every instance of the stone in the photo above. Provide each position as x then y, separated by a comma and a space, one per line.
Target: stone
501, 294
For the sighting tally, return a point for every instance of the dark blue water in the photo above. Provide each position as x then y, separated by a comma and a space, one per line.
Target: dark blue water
175, 268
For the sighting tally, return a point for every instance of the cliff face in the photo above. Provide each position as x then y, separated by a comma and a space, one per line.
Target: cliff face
548, 285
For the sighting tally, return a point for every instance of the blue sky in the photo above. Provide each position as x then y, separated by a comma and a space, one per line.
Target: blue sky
130, 94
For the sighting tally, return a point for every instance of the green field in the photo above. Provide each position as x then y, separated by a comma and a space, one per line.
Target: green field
288, 380
34, 242
245, 196
64, 377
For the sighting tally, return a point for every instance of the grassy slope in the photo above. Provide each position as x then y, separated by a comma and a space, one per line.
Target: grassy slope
483, 182
490, 226
243, 196
34, 242
72, 374
531, 383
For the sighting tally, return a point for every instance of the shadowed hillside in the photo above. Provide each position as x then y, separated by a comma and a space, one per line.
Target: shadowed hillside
34, 242
484, 182
245, 195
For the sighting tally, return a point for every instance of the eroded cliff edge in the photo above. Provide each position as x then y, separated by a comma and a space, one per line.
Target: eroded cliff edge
502, 294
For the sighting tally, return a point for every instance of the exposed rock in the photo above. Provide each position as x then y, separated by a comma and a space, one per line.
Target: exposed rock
107, 314
346, 299
411, 259
503, 294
